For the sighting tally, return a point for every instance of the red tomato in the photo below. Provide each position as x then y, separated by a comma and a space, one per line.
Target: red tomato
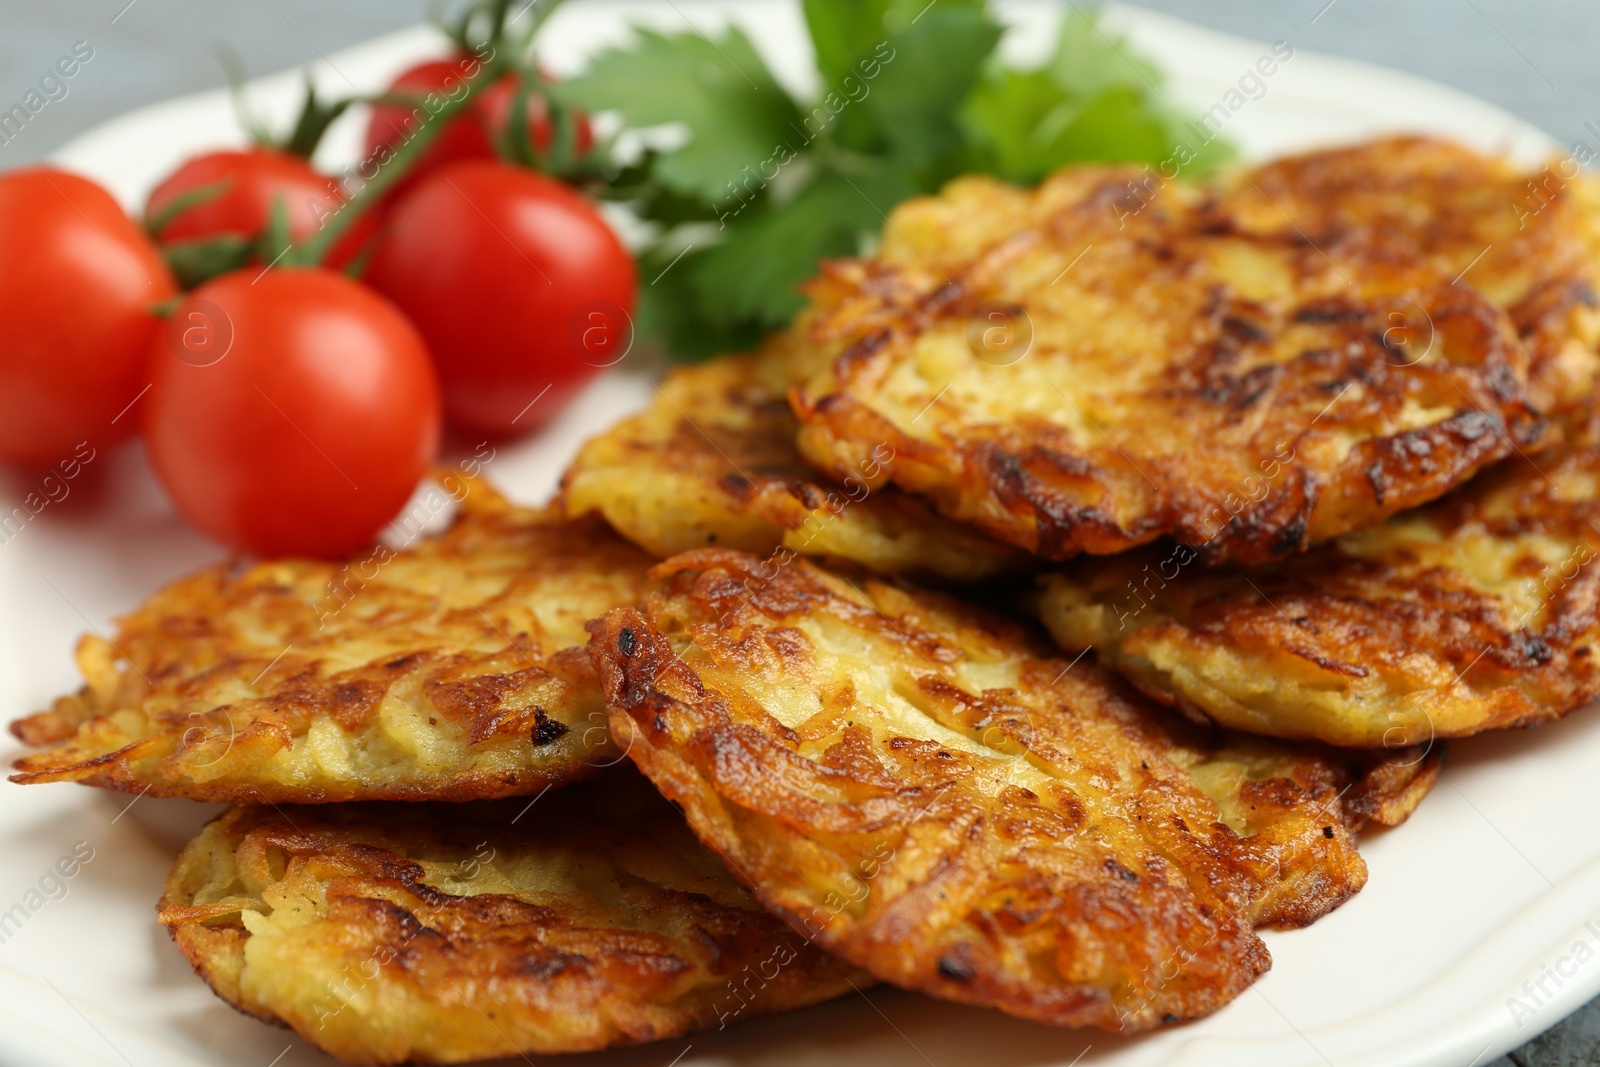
493, 108
520, 287
392, 124
77, 282
471, 135
251, 180
293, 412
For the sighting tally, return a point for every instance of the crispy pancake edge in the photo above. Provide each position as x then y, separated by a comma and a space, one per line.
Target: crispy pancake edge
403, 964
1480, 611
1528, 239
487, 716
885, 324
712, 463
756, 802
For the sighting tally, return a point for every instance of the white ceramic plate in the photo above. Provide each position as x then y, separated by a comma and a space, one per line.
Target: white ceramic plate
1481, 898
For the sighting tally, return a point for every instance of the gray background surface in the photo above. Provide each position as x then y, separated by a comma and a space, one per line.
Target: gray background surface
1537, 59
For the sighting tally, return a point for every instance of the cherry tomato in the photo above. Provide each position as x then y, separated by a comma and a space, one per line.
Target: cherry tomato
493, 110
391, 125
472, 134
293, 411
521, 289
250, 181
78, 279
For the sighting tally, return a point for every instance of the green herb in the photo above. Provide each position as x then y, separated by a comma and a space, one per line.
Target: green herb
719, 88
757, 187
1093, 100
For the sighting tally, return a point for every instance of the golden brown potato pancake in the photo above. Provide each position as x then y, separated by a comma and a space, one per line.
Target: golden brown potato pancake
452, 670
1528, 240
921, 788
1248, 394
442, 933
713, 463
1476, 612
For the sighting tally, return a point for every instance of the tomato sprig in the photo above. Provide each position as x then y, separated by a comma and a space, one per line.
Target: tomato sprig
294, 411
499, 48
500, 51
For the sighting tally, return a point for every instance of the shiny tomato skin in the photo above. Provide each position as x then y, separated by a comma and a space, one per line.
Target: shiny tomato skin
471, 135
493, 110
392, 124
252, 179
78, 280
292, 412
496, 265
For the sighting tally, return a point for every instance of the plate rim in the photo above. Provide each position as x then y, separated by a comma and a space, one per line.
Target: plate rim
1449, 1043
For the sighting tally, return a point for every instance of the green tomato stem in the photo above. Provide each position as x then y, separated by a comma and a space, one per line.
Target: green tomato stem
314, 250
505, 48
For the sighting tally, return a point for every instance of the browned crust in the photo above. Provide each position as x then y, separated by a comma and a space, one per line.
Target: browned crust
1529, 240
447, 671
1479, 612
1199, 403
437, 934
113, 771
1048, 847
712, 463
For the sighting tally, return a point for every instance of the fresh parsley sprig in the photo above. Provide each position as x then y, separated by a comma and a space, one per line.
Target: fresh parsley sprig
757, 187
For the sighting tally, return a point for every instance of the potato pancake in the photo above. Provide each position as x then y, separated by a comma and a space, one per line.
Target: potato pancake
452, 670
438, 933
1096, 363
1476, 612
713, 463
1528, 240
917, 786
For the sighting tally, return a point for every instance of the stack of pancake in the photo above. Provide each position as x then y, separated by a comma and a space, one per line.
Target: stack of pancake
1298, 470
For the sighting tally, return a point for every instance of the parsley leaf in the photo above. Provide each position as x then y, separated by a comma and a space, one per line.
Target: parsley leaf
718, 87
900, 69
845, 32
936, 62
1088, 60
1117, 124
763, 188
1092, 101
670, 310
756, 273
1011, 115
